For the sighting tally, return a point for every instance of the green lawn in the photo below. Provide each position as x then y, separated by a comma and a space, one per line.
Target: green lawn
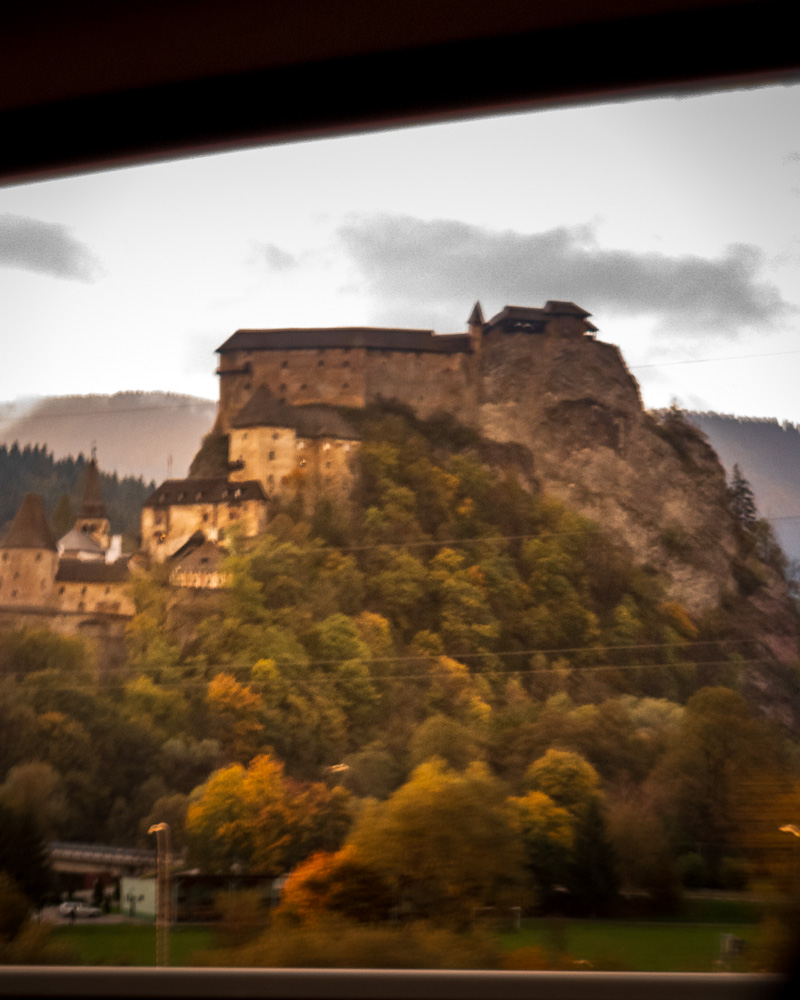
633, 947
130, 944
604, 944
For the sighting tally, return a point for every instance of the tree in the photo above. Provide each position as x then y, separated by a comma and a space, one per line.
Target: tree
742, 500
548, 832
23, 854
336, 883
445, 841
257, 819
235, 718
569, 779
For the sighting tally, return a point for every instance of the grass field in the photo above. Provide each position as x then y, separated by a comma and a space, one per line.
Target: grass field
130, 944
603, 944
632, 947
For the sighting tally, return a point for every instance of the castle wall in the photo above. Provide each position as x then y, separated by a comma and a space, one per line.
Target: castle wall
269, 455
165, 529
97, 598
26, 577
328, 465
427, 382
324, 375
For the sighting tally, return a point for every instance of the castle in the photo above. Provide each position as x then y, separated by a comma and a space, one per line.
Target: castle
76, 585
279, 412
278, 399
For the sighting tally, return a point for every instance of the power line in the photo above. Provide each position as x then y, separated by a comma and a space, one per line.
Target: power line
703, 361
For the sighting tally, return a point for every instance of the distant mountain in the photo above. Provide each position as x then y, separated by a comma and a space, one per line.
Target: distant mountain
768, 454
135, 433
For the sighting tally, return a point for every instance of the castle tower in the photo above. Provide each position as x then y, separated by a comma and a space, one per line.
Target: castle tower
92, 521
28, 558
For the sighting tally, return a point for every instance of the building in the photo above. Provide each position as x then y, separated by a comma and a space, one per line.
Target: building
74, 586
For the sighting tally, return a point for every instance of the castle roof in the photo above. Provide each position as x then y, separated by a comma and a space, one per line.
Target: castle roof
92, 504
89, 571
173, 492
316, 420
80, 541
530, 319
263, 409
29, 529
347, 337
198, 555
312, 420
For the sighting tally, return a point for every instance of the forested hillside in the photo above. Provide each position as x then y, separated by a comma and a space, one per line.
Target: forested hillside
460, 692
768, 453
32, 469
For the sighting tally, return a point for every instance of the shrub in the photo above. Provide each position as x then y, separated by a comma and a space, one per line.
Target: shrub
693, 870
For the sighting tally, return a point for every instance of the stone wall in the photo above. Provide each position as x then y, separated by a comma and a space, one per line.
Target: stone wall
427, 382
165, 529
26, 577
324, 375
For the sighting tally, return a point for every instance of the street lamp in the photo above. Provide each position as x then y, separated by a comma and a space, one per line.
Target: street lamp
161, 830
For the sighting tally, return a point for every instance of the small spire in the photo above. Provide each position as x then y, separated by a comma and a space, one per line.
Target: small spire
92, 504
476, 316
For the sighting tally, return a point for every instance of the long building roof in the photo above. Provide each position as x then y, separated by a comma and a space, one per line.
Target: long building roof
347, 337
191, 491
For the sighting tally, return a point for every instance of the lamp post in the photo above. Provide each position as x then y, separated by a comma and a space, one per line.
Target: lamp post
161, 830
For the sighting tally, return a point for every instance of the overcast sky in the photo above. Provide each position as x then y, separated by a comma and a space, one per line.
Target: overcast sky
673, 221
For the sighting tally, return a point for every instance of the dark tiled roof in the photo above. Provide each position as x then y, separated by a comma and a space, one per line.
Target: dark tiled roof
534, 319
90, 571
92, 504
476, 316
370, 338
560, 308
310, 420
29, 529
263, 410
189, 491
202, 558
318, 420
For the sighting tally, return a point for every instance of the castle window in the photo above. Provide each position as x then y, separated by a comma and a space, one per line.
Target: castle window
248, 386
38, 557
16, 576
232, 515
300, 445
270, 478
275, 436
5, 556
42, 585
238, 493
321, 363
13, 593
205, 515
244, 436
283, 387
61, 590
284, 364
347, 447
327, 465
304, 386
345, 364
272, 456
198, 495
181, 496
83, 590
302, 463
326, 446
108, 590
346, 385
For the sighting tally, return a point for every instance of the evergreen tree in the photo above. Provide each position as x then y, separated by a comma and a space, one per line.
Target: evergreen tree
742, 500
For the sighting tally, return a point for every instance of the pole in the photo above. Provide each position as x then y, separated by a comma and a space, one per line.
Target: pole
163, 908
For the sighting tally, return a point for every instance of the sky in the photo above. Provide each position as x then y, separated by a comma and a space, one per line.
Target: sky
673, 220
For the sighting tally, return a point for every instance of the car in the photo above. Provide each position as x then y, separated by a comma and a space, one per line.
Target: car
71, 907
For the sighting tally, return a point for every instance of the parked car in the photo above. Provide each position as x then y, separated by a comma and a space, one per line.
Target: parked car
79, 909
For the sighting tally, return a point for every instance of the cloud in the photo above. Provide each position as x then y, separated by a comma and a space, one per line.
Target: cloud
413, 268
275, 258
45, 248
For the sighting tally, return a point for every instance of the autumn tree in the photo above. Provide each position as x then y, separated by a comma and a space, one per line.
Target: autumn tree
445, 840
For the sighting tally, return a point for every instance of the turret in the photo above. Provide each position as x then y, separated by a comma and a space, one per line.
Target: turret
28, 558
